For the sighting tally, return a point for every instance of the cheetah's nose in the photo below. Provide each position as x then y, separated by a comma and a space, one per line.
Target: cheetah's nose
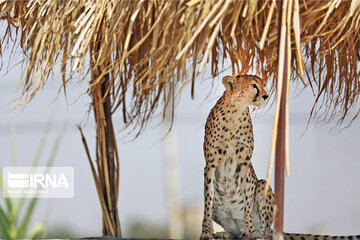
265, 97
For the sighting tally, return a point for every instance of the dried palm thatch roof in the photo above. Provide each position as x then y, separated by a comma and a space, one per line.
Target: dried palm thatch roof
147, 47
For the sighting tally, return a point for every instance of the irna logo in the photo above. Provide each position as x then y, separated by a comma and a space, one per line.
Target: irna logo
36, 180
39, 182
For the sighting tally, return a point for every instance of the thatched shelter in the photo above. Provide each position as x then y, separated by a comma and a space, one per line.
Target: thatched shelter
138, 51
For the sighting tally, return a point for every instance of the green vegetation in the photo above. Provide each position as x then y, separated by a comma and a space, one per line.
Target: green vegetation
16, 213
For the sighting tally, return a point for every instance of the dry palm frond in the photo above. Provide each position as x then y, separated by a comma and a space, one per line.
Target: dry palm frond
146, 46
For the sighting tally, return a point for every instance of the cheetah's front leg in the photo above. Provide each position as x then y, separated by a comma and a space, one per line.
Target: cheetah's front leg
247, 185
248, 214
207, 228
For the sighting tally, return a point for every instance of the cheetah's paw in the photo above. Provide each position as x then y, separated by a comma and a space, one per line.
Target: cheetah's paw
223, 235
206, 236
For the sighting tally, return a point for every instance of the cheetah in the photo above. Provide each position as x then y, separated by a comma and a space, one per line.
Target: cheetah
232, 191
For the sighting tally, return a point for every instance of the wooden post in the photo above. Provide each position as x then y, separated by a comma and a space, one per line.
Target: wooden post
110, 158
172, 178
280, 140
172, 184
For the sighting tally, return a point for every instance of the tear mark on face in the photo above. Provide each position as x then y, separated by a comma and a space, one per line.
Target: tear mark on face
257, 92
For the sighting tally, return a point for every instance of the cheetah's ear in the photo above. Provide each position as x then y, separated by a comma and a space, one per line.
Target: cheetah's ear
229, 82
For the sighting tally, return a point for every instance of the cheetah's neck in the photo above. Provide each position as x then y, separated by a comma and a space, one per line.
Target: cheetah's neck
235, 116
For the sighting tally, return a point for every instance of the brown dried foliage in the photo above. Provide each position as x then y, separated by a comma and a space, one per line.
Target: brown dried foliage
147, 47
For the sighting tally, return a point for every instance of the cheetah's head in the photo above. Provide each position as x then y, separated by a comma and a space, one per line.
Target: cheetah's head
245, 89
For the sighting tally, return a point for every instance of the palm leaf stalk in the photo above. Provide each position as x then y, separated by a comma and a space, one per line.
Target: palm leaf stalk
107, 158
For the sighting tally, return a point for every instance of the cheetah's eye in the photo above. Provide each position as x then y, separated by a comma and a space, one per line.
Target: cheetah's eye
254, 86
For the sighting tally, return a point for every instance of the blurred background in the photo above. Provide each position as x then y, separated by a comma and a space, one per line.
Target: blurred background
161, 184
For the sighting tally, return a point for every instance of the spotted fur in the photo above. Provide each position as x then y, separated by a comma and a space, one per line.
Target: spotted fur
231, 189
232, 192
296, 236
